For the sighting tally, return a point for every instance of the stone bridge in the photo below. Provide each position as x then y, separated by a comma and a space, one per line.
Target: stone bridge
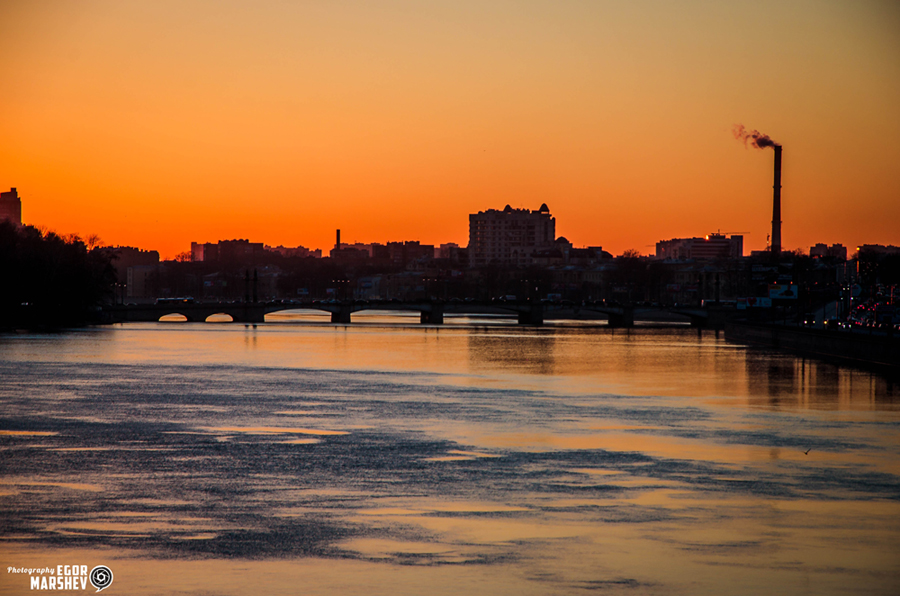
430, 312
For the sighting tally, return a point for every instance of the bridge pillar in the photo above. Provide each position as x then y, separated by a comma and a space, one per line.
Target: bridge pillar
533, 315
718, 317
248, 314
623, 319
341, 315
435, 316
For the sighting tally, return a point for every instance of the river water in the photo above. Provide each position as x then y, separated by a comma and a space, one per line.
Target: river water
386, 457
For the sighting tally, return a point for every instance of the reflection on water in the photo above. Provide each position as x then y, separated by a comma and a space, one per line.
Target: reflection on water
387, 457
781, 381
531, 353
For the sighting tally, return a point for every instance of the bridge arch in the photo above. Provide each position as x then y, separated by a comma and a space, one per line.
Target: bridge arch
219, 317
297, 314
174, 317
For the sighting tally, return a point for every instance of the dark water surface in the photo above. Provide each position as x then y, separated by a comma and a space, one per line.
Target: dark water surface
387, 458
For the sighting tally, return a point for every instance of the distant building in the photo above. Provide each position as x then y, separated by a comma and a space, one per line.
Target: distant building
453, 253
836, 251
11, 207
449, 250
409, 251
297, 252
204, 252
240, 250
228, 251
136, 268
878, 249
357, 250
713, 246
141, 281
128, 256
511, 236
398, 253
347, 253
564, 253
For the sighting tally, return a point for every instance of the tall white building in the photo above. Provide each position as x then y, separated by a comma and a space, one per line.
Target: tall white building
510, 236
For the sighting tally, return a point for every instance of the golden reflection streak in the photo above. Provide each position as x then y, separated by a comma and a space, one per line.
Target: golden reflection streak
26, 433
12, 482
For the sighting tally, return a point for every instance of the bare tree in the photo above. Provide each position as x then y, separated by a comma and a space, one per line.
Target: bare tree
93, 241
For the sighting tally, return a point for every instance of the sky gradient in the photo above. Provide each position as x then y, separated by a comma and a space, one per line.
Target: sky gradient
154, 124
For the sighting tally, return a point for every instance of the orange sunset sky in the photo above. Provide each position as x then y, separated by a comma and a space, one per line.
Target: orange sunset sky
158, 123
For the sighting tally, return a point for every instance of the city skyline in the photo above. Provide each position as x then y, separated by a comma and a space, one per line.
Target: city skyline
669, 248
158, 125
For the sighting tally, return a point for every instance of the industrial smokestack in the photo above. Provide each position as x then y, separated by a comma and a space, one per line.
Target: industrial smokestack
337, 242
776, 203
761, 141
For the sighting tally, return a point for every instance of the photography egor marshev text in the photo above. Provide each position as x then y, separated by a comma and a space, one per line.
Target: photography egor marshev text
62, 577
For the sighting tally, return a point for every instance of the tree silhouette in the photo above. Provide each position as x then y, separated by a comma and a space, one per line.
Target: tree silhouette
48, 281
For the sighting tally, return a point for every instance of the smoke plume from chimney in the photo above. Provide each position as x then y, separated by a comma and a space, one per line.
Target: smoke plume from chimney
756, 138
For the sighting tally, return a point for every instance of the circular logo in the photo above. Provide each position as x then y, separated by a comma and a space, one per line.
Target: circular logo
101, 577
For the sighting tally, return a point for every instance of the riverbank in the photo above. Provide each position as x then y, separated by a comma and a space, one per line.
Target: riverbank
874, 352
